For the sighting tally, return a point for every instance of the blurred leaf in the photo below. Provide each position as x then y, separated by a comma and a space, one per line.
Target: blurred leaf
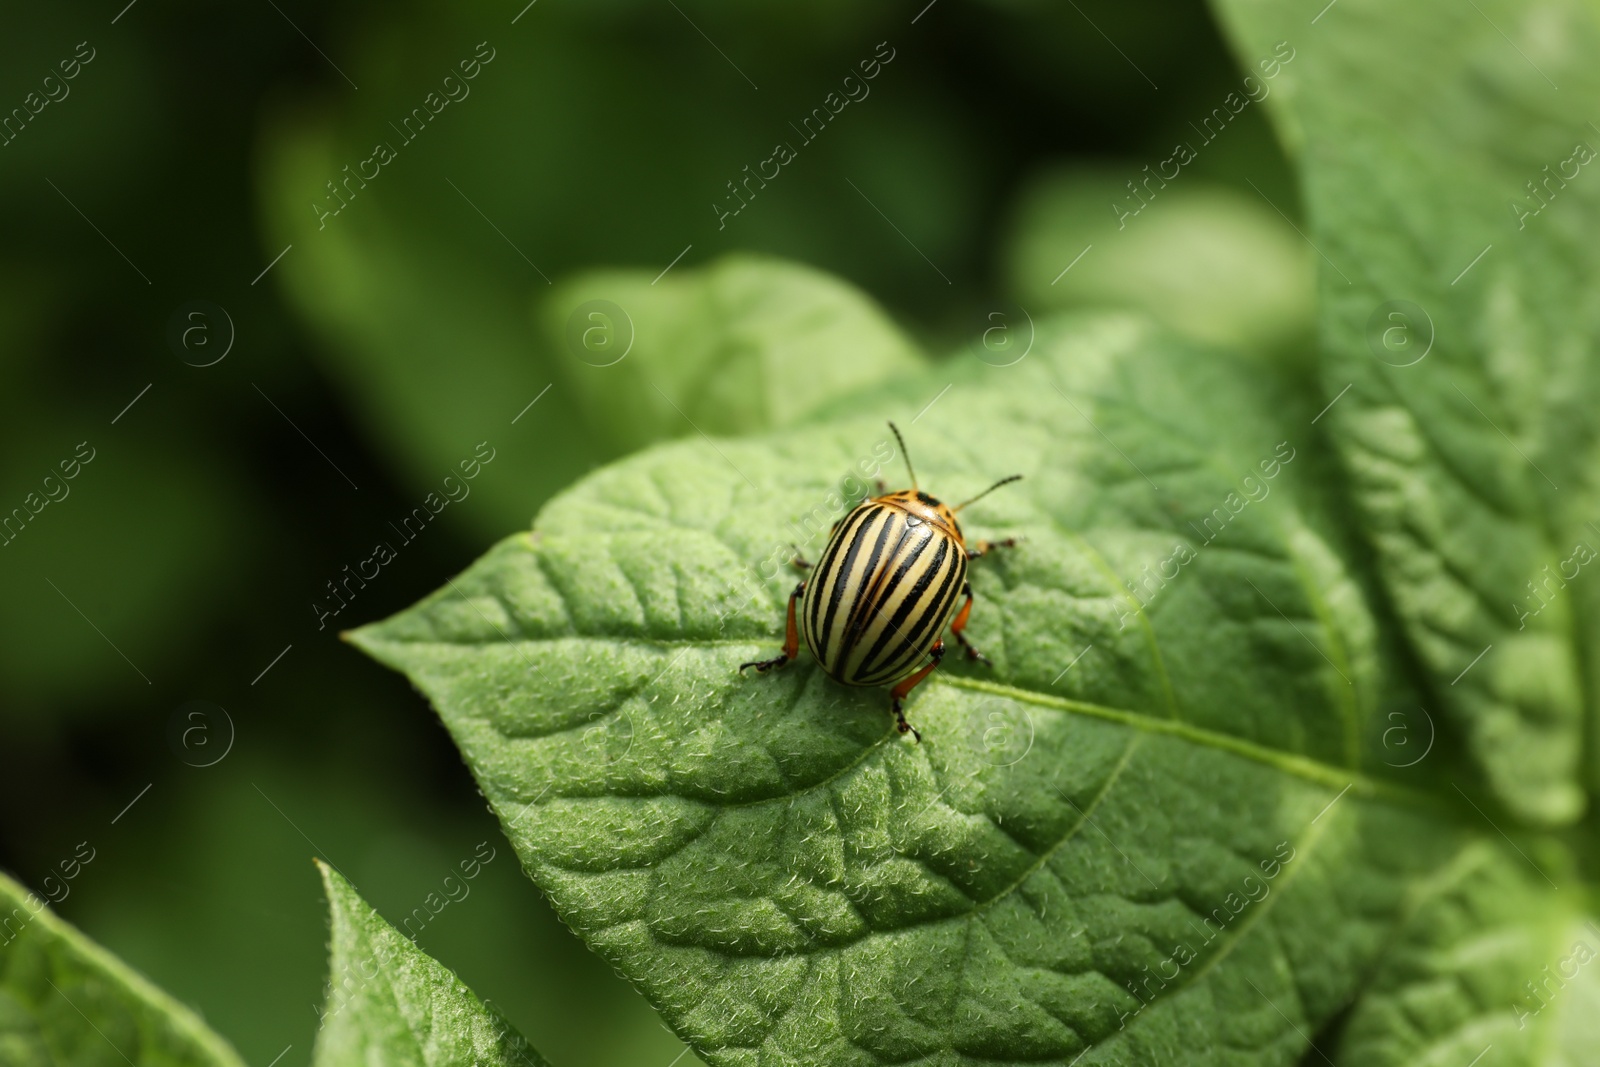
569, 151
1202, 258
86, 96
743, 345
1495, 967
66, 1001
76, 598
788, 878
431, 350
389, 1002
1094, 54
1461, 317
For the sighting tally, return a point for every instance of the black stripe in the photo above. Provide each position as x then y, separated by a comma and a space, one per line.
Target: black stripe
943, 602
892, 577
938, 611
842, 573
829, 571
946, 597
903, 653
862, 610
908, 604
829, 554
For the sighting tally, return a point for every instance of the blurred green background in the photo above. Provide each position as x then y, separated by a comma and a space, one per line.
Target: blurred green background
390, 339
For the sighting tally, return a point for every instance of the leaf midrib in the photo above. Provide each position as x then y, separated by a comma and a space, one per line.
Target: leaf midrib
1296, 766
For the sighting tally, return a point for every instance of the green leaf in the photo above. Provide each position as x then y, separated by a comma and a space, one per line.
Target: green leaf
1468, 427
389, 1002
743, 345
1496, 966
66, 1001
790, 880
1202, 258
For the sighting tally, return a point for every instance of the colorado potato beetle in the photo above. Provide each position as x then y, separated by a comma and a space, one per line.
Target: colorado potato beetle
877, 602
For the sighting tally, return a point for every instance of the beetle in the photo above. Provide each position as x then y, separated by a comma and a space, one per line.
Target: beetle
883, 589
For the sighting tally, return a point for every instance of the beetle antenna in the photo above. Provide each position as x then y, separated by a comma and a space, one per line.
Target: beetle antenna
986, 492
904, 453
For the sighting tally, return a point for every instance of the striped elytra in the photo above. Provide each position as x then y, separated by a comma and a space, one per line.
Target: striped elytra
877, 602
882, 592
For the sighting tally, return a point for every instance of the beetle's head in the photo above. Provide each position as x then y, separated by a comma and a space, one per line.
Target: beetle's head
927, 508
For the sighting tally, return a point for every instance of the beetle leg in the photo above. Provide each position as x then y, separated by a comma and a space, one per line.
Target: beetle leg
799, 562
958, 627
899, 692
983, 548
791, 641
